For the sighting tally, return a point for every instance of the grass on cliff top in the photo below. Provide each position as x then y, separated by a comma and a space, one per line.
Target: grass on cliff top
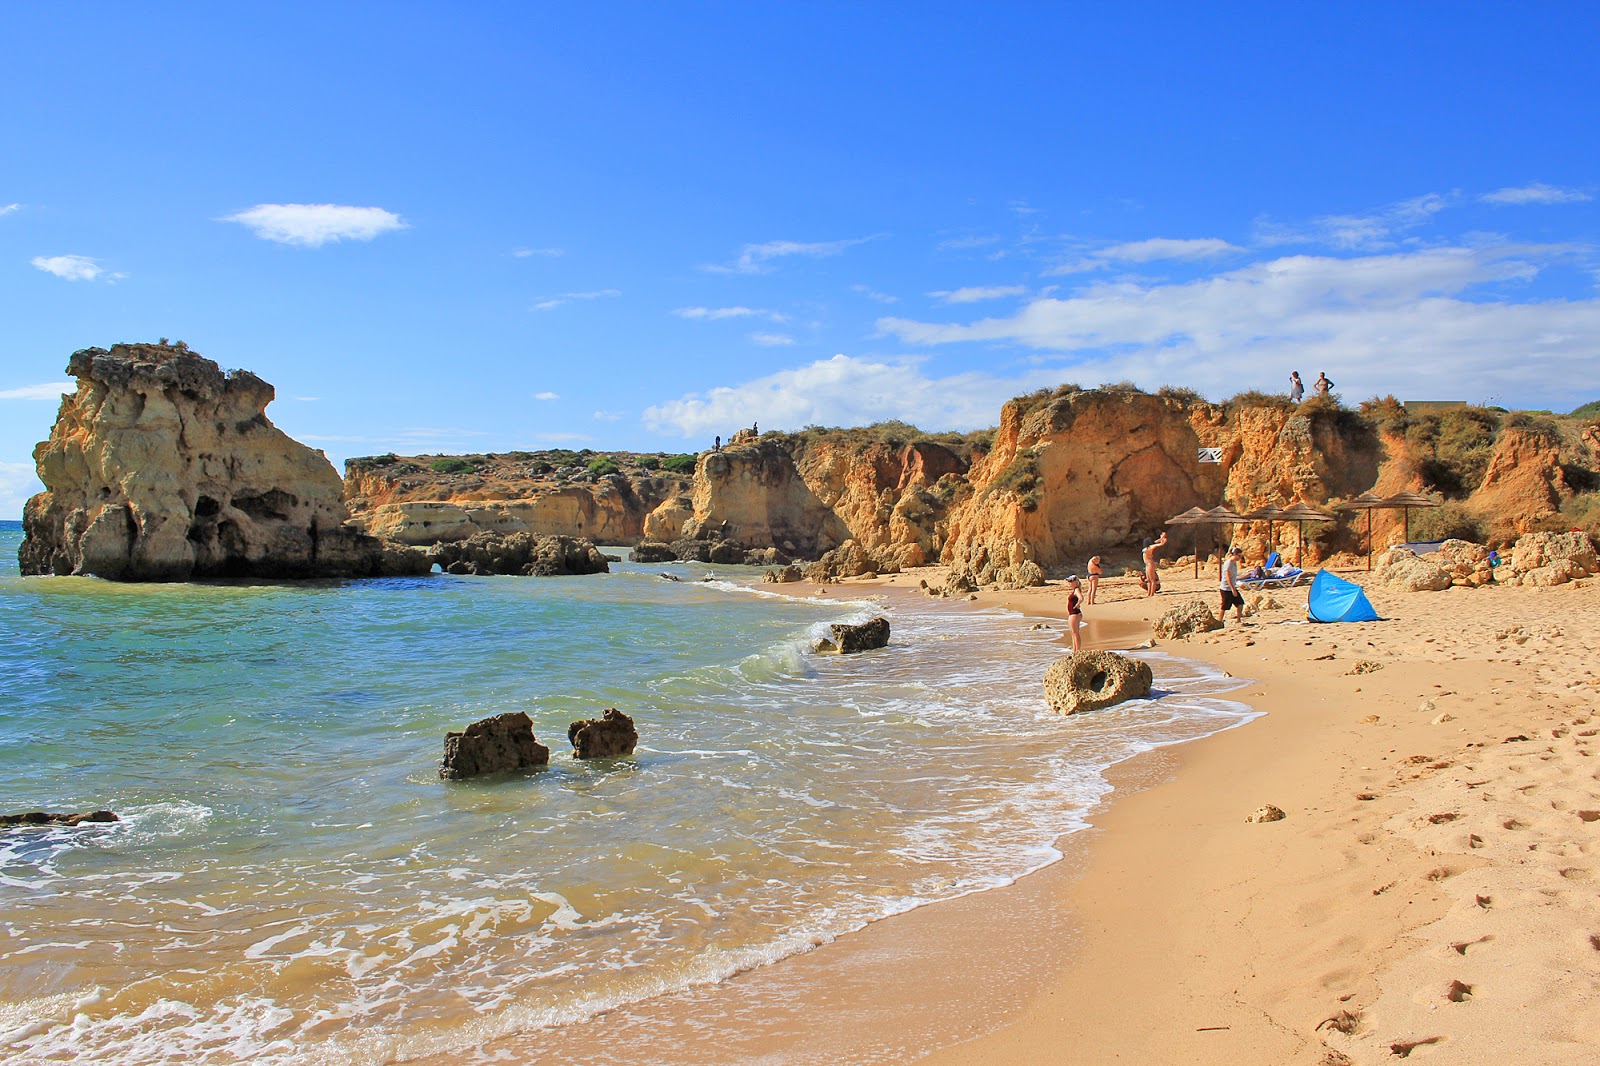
894, 434
524, 463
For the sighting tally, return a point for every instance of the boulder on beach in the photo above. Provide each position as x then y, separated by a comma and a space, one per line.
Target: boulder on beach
1091, 680
786, 575
873, 633
1185, 620
493, 745
1406, 571
44, 818
606, 737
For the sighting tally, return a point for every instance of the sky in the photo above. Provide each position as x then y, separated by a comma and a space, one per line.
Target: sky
463, 228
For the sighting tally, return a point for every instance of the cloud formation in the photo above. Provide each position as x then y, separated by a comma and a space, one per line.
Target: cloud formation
313, 225
1426, 324
1536, 193
976, 293
50, 390
567, 297
716, 314
18, 481
1155, 248
72, 267
758, 258
551, 253
546, 396
873, 294
6, 209
771, 340
846, 391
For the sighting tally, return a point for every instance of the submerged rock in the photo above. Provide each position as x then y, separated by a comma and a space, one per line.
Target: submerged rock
605, 737
520, 553
873, 633
652, 551
43, 818
493, 745
1091, 680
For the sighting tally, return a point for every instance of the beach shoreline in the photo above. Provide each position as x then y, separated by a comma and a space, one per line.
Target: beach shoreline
1424, 859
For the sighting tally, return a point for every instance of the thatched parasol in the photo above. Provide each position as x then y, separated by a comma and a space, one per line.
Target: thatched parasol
1191, 517
1300, 514
1270, 514
1368, 502
1407, 500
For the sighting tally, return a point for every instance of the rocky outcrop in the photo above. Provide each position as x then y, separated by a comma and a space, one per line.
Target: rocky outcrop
787, 575
44, 818
495, 745
1468, 564
1405, 571
849, 559
606, 737
846, 638
652, 551
1185, 620
1091, 680
160, 467
485, 554
1535, 550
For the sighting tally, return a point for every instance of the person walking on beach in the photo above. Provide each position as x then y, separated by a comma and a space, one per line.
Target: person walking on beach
1074, 611
1322, 384
1297, 388
1152, 580
1095, 573
1228, 584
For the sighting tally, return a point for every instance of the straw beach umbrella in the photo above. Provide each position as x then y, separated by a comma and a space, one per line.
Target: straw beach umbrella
1407, 500
1220, 515
1191, 517
1368, 502
1300, 514
1271, 513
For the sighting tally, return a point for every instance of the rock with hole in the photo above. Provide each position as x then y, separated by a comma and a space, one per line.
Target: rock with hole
1091, 680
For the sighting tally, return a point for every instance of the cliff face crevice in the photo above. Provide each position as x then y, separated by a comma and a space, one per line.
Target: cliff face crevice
160, 467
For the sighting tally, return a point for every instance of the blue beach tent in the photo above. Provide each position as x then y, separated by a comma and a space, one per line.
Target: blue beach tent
1333, 599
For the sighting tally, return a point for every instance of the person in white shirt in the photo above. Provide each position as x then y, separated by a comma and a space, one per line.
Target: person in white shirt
1228, 584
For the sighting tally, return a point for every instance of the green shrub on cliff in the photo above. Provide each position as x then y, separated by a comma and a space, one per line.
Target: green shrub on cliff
679, 464
453, 466
604, 466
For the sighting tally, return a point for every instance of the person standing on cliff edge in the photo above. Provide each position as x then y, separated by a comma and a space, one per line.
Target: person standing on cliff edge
1322, 384
1297, 388
1151, 580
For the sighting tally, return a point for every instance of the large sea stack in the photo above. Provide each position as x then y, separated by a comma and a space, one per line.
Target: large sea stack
163, 468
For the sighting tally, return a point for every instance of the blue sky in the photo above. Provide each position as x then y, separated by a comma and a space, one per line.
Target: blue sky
493, 226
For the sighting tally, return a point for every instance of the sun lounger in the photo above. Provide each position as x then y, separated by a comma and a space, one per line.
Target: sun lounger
1279, 577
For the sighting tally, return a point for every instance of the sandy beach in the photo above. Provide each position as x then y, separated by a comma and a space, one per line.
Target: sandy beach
1429, 893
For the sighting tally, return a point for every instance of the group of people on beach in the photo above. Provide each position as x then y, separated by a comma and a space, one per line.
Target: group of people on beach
1080, 596
1297, 388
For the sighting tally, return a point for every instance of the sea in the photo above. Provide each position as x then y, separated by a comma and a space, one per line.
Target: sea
292, 882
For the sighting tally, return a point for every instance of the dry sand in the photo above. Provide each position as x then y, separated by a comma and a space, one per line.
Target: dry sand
1432, 891
1431, 894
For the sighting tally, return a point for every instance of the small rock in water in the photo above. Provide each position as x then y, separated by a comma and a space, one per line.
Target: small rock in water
606, 737
493, 745
873, 633
44, 818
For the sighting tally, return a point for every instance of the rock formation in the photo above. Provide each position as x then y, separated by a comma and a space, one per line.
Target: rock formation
606, 737
787, 575
873, 633
160, 467
1091, 680
493, 745
1404, 570
652, 551
1185, 620
1544, 559
43, 818
485, 554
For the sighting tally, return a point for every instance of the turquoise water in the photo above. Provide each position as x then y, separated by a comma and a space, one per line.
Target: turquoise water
292, 882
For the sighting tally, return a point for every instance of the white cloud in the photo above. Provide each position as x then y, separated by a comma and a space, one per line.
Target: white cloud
18, 481
757, 258
976, 293
873, 294
567, 297
546, 396
524, 253
50, 390
608, 416
1422, 324
312, 225
966, 244
1536, 193
1168, 248
72, 267
6, 209
715, 314
848, 391
771, 340
1374, 231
